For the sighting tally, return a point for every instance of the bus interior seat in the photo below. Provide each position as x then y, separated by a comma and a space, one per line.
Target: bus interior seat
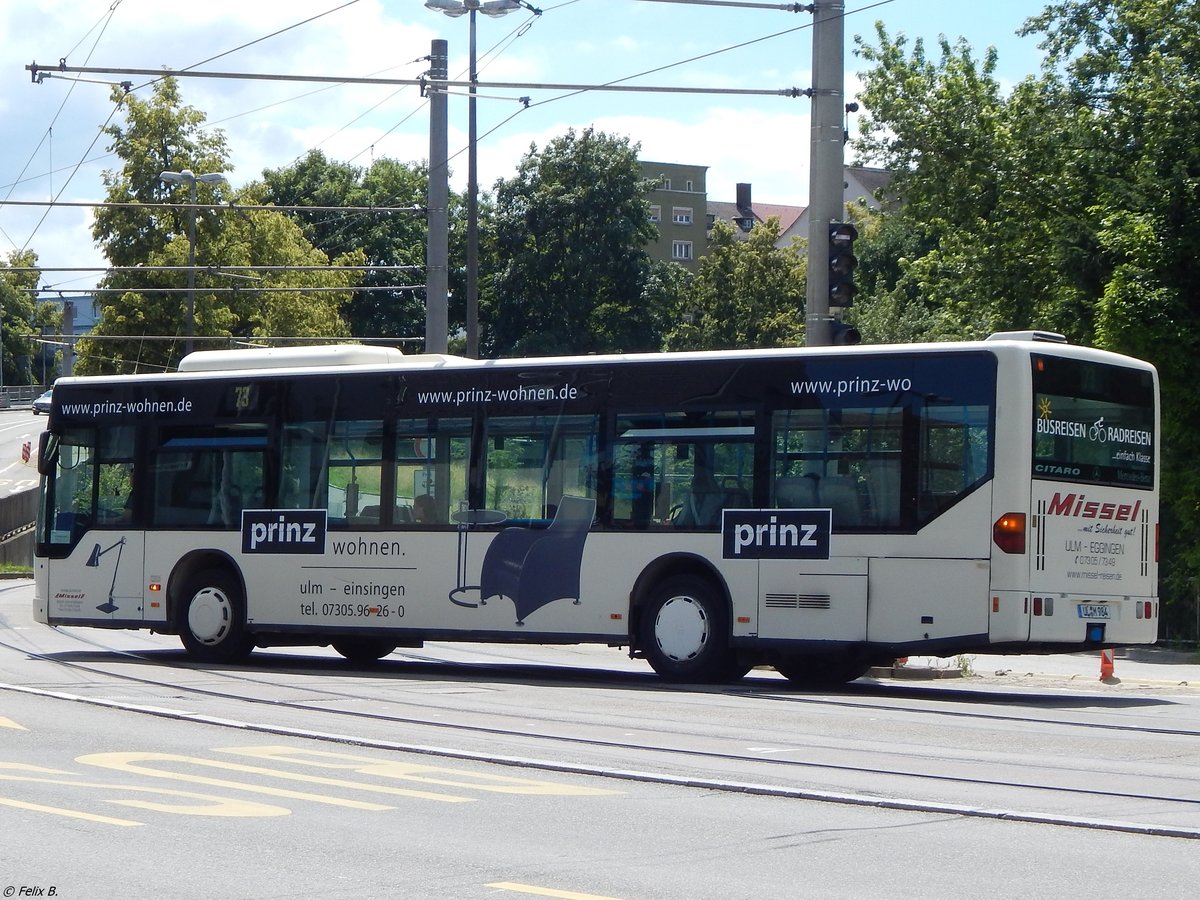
883, 492
736, 497
701, 508
796, 492
840, 494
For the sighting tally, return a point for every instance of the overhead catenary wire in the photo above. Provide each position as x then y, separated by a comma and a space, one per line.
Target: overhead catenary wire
66, 340
503, 85
575, 89
237, 289
206, 207
129, 88
106, 19
213, 270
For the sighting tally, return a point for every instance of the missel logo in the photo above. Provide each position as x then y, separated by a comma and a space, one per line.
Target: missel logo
776, 533
283, 530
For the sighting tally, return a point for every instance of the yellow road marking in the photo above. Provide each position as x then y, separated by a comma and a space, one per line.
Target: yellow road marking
69, 813
545, 892
9, 723
210, 805
128, 762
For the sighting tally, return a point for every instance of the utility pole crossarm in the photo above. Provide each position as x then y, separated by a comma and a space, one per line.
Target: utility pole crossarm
426, 83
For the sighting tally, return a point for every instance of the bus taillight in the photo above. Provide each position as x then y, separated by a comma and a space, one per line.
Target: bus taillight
1008, 532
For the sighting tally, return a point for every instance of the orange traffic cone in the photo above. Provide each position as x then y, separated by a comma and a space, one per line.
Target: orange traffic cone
1106, 665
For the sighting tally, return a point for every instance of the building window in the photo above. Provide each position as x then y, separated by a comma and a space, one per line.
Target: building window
666, 183
655, 213
681, 250
681, 215
689, 184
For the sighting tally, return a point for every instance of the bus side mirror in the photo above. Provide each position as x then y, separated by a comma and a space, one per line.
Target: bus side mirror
47, 452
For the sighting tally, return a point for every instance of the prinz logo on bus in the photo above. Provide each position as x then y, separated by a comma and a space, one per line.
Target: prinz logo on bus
283, 530
776, 533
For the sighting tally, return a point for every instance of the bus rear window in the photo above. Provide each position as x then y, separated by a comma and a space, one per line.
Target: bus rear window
1093, 423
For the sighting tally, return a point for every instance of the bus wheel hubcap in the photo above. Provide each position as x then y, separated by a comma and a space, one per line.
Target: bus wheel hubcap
209, 615
681, 628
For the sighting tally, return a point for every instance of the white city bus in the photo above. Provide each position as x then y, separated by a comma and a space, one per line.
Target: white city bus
818, 510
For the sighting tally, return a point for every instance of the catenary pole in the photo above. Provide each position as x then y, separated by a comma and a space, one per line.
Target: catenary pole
437, 253
825, 186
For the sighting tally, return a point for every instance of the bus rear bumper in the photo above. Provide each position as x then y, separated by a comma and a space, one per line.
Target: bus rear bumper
1066, 619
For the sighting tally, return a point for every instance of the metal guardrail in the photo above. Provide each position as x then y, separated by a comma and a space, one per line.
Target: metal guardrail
19, 394
18, 513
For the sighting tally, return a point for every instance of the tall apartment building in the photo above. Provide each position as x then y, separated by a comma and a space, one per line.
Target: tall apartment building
679, 207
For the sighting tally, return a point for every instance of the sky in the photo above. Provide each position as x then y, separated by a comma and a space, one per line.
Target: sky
52, 147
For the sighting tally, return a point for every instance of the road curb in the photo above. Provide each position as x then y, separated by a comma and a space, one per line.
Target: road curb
914, 673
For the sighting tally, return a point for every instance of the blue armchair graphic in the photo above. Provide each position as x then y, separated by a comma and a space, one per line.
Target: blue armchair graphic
535, 567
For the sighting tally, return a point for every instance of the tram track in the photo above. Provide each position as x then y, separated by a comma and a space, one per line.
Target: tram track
774, 694
781, 773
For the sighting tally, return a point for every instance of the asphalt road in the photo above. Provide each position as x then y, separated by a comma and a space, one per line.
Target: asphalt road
18, 428
499, 771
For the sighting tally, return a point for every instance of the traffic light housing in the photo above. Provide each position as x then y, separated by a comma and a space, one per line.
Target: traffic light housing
843, 335
842, 263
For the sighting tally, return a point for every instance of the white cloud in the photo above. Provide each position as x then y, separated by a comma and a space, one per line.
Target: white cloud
761, 140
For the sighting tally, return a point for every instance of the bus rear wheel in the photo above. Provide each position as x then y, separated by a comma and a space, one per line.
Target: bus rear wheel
685, 633
363, 650
213, 620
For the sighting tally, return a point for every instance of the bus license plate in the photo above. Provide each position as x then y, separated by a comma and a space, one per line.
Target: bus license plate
1093, 611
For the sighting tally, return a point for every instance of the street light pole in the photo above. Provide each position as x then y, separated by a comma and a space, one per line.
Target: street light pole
455, 8
190, 178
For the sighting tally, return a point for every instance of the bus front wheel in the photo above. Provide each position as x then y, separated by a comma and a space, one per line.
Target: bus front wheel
685, 633
213, 622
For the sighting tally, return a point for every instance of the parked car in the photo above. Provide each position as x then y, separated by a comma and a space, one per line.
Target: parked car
42, 403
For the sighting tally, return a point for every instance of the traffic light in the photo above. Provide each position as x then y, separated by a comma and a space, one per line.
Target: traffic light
841, 334
842, 264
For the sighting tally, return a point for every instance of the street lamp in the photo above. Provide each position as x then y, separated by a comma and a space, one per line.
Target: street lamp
454, 9
190, 178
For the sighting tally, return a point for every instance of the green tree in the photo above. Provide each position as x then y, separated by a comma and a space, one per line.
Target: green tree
1066, 203
995, 209
385, 238
159, 135
1135, 64
21, 318
572, 227
275, 303
748, 293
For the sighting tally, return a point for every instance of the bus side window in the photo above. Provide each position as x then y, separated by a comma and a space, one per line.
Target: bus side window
114, 476
431, 470
354, 470
532, 462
